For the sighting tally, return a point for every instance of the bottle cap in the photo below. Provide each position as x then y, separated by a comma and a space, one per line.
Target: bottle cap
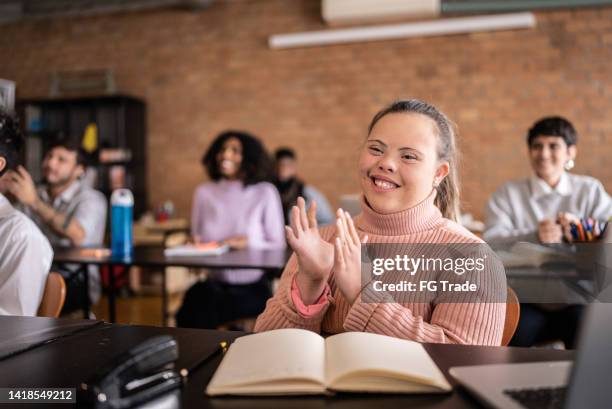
122, 197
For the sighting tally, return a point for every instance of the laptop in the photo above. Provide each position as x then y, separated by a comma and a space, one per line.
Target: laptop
585, 383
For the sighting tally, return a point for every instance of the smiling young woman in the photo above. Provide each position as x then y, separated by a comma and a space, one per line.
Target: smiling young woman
241, 208
400, 163
408, 176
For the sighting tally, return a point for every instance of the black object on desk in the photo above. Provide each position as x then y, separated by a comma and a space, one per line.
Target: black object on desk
222, 349
136, 376
26, 333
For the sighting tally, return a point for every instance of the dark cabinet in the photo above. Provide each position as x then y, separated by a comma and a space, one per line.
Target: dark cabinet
118, 125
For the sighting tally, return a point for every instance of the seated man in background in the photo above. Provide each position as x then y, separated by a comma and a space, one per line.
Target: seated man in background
291, 187
69, 213
540, 209
25, 254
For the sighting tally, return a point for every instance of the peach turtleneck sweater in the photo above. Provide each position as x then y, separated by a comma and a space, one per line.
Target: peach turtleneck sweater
478, 323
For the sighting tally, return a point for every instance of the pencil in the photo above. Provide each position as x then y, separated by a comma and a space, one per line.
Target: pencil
221, 349
585, 228
580, 232
574, 231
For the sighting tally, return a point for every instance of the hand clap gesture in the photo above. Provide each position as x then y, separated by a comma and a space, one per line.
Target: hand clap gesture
315, 256
347, 257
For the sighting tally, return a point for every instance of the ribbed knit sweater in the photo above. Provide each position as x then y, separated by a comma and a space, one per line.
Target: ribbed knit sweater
478, 323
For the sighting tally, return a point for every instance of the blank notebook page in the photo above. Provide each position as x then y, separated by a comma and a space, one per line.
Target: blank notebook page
273, 355
359, 351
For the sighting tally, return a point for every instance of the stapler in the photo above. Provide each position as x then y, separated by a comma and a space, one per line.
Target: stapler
136, 376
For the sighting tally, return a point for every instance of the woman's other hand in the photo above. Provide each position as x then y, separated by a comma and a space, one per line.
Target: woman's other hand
347, 257
315, 256
237, 242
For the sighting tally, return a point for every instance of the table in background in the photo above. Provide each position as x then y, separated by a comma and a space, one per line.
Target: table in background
155, 233
68, 362
273, 261
557, 283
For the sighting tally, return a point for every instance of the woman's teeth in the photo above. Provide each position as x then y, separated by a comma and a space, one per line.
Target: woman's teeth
227, 164
384, 184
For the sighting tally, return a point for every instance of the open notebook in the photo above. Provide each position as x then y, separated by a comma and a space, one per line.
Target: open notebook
296, 361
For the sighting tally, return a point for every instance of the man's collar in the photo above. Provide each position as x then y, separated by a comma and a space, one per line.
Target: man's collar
540, 188
66, 196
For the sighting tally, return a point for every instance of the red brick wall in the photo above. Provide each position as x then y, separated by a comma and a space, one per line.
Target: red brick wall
202, 72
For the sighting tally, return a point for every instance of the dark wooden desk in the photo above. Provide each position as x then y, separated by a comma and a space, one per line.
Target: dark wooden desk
272, 261
21, 335
68, 362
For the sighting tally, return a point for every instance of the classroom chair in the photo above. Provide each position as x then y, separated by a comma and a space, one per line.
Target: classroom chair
53, 297
513, 313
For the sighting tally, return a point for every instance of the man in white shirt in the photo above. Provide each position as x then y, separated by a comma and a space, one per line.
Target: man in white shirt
25, 254
540, 209
69, 213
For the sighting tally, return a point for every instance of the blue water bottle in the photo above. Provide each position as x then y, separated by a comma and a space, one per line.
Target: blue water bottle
122, 208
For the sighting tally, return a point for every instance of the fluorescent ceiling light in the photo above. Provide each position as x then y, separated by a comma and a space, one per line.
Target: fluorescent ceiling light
397, 31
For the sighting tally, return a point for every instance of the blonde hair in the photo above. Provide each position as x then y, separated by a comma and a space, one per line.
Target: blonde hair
447, 198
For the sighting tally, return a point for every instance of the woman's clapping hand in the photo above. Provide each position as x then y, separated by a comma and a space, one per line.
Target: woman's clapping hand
347, 256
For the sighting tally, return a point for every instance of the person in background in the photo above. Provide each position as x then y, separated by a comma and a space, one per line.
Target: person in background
291, 187
540, 209
25, 254
408, 176
68, 213
241, 208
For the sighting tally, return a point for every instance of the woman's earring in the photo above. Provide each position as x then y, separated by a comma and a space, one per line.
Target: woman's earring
569, 165
435, 183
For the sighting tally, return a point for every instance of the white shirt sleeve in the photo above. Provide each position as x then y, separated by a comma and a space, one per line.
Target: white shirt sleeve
499, 225
601, 203
91, 215
24, 265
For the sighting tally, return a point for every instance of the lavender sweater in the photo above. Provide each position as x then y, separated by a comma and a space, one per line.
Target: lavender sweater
227, 208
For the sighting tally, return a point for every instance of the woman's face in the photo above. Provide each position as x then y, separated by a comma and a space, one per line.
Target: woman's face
399, 162
548, 156
229, 158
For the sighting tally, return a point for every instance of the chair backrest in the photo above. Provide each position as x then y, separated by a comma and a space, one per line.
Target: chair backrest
53, 297
513, 312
